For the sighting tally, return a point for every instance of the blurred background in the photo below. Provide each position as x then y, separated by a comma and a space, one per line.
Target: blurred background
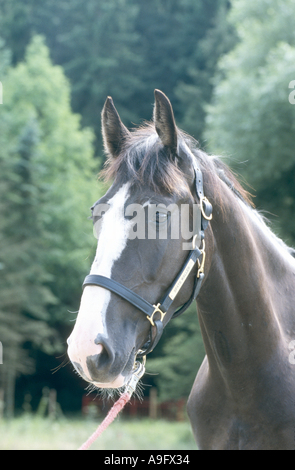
226, 67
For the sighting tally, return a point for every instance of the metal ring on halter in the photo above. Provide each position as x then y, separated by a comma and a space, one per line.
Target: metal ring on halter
202, 201
137, 365
196, 238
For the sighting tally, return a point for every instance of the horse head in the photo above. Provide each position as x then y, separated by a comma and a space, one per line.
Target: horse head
145, 226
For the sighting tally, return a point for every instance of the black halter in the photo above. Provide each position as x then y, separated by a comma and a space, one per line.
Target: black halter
156, 313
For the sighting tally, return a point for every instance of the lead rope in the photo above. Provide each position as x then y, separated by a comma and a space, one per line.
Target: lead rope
139, 370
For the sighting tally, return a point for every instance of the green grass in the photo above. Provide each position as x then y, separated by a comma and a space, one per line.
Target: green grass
34, 433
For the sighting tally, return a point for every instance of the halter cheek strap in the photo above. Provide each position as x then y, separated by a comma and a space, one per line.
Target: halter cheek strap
156, 313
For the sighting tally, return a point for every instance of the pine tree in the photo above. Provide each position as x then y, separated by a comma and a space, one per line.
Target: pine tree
251, 118
46, 187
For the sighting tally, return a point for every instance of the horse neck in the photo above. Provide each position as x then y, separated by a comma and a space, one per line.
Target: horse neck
239, 308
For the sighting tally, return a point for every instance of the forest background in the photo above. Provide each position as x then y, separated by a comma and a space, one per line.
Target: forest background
229, 70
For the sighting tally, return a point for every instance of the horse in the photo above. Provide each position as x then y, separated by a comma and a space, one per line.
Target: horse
240, 273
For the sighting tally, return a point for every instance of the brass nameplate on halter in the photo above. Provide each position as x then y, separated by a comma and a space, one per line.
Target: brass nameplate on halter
181, 280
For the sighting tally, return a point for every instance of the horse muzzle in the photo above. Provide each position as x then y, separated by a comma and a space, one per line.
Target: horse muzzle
98, 363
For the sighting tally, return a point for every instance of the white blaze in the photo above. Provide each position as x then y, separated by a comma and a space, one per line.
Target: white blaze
91, 320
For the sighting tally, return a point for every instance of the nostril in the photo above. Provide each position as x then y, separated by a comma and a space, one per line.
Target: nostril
101, 342
106, 348
98, 366
99, 347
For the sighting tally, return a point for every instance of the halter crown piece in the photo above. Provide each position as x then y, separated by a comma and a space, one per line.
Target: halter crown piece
156, 313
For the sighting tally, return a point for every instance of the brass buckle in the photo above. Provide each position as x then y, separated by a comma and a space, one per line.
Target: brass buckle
202, 199
157, 309
202, 264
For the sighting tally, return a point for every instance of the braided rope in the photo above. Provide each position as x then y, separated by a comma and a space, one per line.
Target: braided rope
115, 410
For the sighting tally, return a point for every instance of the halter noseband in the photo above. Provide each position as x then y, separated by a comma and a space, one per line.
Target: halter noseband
159, 310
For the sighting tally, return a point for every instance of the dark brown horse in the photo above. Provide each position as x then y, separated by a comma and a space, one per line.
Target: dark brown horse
244, 393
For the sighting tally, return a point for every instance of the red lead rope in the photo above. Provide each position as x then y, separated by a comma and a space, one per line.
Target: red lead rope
118, 406
138, 372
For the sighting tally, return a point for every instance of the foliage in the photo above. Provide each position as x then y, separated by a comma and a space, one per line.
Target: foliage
126, 49
251, 118
194, 91
44, 157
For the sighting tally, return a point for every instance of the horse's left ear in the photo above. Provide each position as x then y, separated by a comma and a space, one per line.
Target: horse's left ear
113, 130
164, 121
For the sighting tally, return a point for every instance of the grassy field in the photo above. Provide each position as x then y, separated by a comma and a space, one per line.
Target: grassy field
33, 433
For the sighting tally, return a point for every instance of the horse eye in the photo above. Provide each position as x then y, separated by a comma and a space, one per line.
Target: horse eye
161, 217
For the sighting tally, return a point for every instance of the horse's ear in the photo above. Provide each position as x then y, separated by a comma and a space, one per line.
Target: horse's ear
113, 130
164, 121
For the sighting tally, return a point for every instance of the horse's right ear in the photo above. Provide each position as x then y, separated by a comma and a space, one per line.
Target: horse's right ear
113, 130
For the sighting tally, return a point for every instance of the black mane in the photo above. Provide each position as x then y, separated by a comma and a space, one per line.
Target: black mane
145, 161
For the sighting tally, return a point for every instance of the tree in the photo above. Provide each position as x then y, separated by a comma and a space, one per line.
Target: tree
46, 160
23, 296
251, 118
127, 48
194, 91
